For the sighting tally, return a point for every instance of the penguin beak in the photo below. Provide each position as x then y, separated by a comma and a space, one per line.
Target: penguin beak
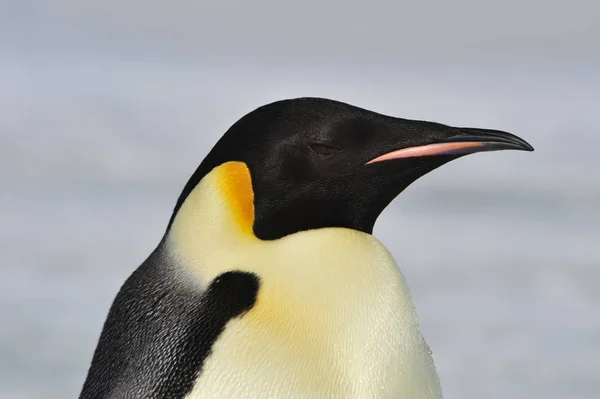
466, 141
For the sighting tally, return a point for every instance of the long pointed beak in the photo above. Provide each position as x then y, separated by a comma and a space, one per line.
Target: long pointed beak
467, 141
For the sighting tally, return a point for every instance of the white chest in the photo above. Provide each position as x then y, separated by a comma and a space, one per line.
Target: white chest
333, 319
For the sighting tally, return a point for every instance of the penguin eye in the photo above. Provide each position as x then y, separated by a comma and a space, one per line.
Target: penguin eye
324, 149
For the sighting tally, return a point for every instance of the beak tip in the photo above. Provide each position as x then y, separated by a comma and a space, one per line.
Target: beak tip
494, 139
525, 146
519, 146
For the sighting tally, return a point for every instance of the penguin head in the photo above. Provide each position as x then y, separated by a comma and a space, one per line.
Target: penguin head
317, 163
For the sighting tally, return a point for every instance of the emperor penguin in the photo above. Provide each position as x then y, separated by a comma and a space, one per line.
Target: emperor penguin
268, 282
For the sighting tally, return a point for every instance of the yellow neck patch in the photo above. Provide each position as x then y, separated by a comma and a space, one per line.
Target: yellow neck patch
218, 213
235, 183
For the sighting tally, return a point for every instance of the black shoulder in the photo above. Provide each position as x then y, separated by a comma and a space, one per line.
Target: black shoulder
159, 332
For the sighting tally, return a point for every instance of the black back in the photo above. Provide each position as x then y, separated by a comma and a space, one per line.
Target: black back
160, 330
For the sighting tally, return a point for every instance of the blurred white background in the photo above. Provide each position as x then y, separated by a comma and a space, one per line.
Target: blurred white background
107, 107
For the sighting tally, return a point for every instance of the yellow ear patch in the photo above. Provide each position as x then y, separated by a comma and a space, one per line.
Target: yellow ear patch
235, 183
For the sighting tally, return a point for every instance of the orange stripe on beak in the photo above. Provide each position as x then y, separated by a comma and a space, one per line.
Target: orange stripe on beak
425, 150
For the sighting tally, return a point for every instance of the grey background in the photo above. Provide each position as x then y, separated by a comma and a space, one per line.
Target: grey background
106, 108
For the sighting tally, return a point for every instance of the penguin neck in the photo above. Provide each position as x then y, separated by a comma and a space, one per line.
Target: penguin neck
319, 288
218, 213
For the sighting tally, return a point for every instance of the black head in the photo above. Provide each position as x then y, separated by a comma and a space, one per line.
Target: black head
320, 163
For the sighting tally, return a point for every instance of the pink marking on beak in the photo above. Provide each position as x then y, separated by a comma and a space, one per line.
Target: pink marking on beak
428, 149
